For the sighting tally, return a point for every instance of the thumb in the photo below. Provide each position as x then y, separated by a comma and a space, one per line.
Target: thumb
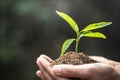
77, 71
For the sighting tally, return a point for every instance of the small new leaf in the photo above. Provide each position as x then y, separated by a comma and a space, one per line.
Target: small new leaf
86, 32
66, 44
69, 20
96, 26
93, 34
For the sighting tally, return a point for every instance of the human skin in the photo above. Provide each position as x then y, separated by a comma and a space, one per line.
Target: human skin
104, 70
46, 72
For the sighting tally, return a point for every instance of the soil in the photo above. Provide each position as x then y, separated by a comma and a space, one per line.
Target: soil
73, 59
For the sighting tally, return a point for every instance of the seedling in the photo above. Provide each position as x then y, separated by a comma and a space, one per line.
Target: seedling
86, 32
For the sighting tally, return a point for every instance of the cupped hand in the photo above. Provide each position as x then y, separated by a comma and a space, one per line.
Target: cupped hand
45, 72
104, 70
95, 71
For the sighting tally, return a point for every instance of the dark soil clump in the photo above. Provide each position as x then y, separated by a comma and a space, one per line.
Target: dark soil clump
73, 59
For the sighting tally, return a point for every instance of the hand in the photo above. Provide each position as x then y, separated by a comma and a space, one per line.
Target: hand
45, 72
105, 70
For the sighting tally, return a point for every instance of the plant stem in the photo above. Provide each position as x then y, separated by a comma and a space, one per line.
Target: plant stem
76, 47
79, 35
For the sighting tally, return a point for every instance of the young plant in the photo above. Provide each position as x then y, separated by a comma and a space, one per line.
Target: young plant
86, 32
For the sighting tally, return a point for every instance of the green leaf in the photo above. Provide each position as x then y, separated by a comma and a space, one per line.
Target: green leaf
96, 26
66, 45
69, 20
93, 34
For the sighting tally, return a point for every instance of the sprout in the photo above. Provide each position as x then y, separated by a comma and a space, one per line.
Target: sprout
86, 32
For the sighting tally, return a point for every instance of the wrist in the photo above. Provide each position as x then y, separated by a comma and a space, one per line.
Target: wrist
116, 66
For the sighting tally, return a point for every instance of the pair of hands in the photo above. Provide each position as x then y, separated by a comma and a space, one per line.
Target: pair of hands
105, 70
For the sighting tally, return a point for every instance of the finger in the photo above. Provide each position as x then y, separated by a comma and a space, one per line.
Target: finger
79, 71
104, 60
71, 71
86, 71
45, 74
100, 59
46, 70
48, 73
45, 58
39, 74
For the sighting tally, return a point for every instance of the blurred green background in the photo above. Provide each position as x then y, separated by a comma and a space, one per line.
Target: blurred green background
29, 28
